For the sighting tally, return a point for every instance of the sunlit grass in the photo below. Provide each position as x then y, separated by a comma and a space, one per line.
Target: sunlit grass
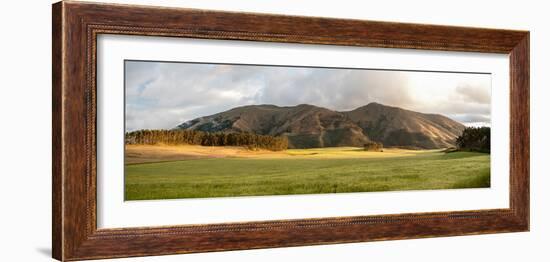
308, 171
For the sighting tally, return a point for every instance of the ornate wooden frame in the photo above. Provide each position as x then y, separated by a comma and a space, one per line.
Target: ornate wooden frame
76, 26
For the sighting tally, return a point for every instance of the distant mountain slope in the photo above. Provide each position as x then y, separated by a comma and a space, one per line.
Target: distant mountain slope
394, 126
309, 126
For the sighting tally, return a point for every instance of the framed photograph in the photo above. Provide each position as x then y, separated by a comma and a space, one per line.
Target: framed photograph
182, 130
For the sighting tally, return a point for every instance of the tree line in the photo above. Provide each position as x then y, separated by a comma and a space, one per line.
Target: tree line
194, 137
475, 139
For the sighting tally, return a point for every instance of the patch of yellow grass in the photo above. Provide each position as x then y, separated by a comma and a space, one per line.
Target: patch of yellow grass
355, 152
156, 153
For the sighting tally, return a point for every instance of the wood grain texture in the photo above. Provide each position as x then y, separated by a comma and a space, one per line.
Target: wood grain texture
57, 190
75, 29
519, 129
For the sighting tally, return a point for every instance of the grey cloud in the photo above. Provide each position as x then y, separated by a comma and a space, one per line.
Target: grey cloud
455, 107
336, 88
138, 75
478, 94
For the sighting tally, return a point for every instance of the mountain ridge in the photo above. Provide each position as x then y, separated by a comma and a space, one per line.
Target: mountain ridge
309, 126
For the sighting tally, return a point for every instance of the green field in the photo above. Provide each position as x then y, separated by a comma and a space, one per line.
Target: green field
314, 171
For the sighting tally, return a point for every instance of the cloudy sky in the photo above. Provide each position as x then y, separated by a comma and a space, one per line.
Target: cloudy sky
161, 95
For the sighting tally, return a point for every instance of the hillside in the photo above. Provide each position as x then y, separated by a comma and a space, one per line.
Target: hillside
308, 126
394, 126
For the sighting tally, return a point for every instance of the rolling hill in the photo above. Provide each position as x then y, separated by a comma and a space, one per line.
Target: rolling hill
308, 126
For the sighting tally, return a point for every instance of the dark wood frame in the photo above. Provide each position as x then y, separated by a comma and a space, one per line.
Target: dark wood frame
76, 26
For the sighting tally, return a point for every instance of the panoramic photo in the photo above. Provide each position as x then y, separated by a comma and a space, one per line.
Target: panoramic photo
203, 130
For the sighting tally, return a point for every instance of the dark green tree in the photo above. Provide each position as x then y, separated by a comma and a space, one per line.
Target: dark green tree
193, 137
475, 139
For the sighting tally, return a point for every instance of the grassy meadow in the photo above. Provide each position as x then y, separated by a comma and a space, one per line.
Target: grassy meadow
170, 172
